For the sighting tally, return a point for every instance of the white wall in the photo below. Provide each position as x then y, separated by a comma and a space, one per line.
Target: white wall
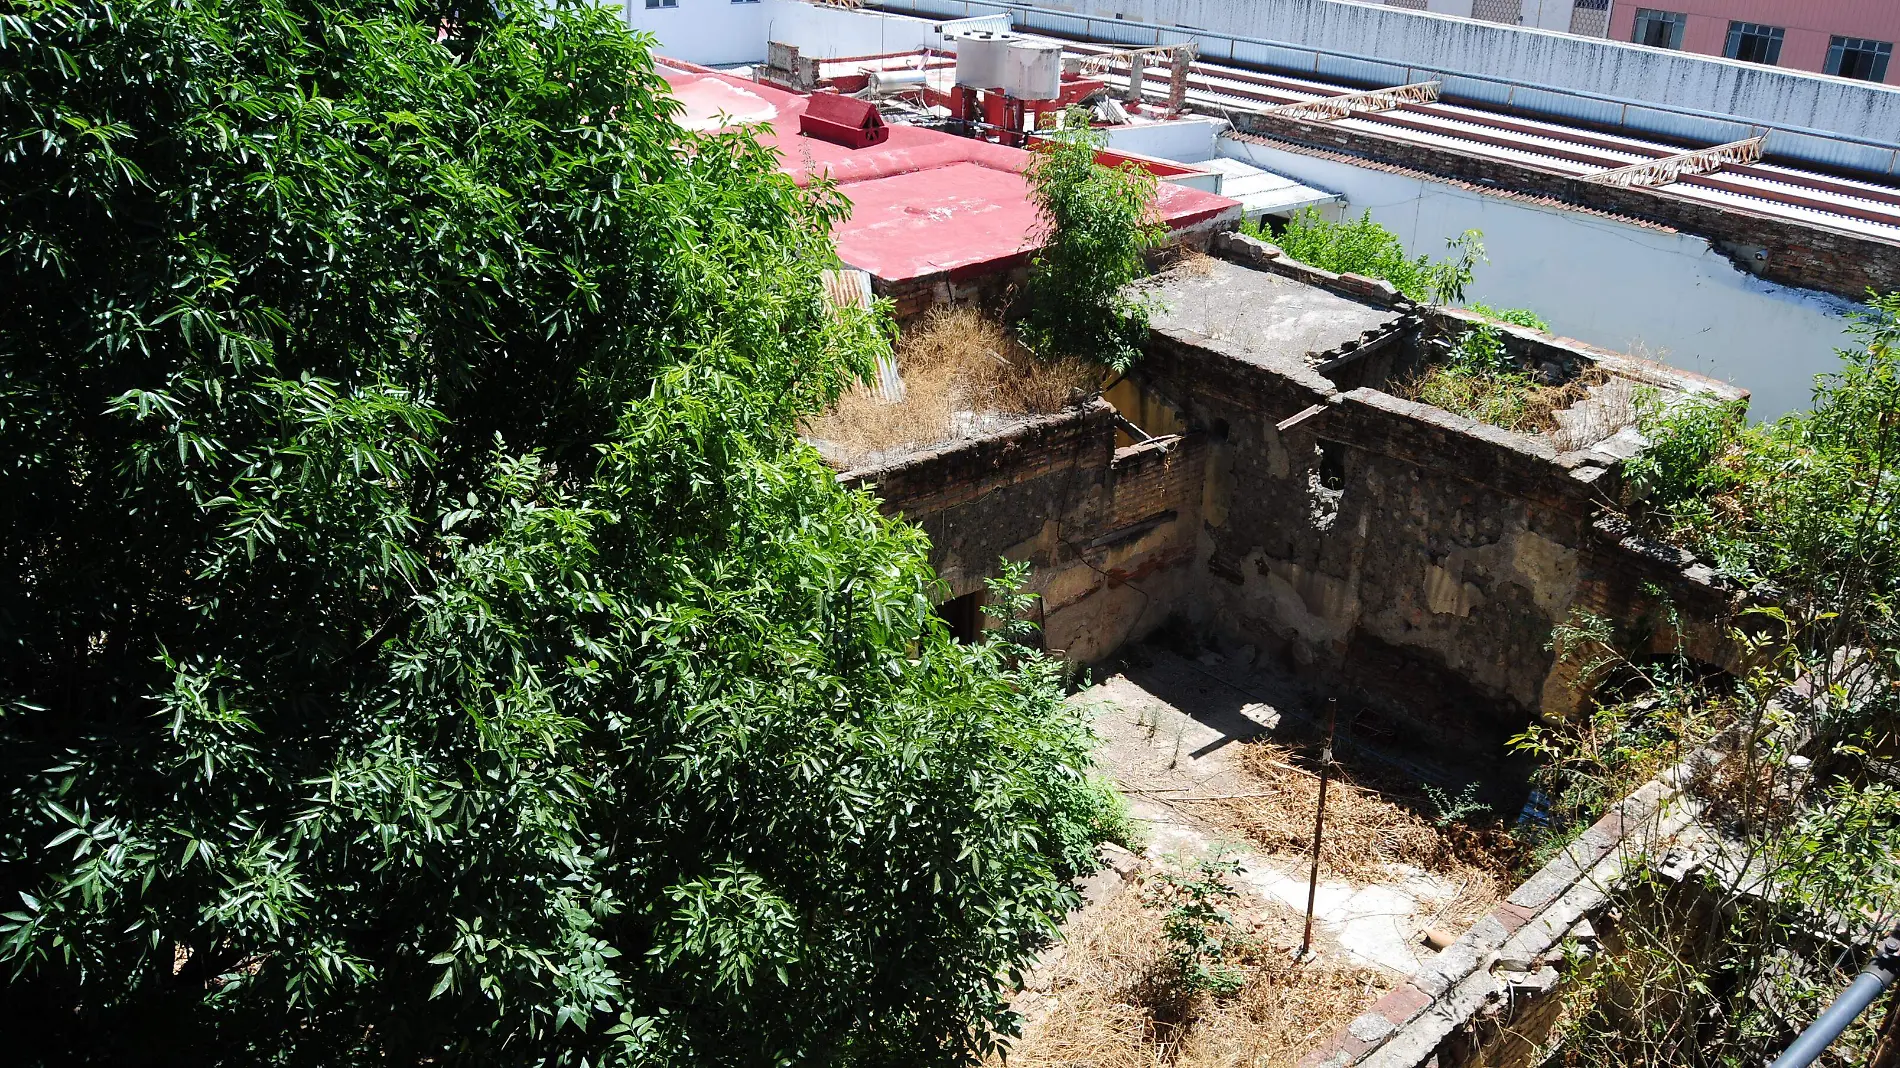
721, 33
1669, 296
1186, 141
712, 32
829, 32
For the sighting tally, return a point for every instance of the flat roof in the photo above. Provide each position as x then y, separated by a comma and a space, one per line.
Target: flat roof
924, 202
1260, 316
1262, 192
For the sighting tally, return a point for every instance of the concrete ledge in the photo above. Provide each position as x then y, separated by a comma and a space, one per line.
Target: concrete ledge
1506, 968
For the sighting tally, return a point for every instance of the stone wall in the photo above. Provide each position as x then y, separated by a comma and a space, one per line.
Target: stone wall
1414, 556
1417, 558
1109, 531
1774, 247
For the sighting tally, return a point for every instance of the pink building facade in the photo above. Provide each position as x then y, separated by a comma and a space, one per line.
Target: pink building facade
1848, 38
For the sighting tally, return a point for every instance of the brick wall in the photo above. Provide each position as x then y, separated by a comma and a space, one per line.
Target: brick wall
1791, 252
1109, 532
1490, 998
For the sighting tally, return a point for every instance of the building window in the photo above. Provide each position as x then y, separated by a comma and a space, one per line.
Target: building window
1753, 42
1659, 29
651, 4
1857, 57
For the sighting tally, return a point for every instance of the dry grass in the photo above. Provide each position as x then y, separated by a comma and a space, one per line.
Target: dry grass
1606, 409
959, 366
1094, 1014
1511, 401
1367, 830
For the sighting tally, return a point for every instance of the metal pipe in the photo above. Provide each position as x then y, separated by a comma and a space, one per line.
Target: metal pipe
1862, 992
1319, 822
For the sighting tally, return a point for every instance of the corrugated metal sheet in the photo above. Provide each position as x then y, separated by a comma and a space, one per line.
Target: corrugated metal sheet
1631, 114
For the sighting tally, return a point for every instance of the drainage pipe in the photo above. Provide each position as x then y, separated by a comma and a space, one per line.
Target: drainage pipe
1866, 987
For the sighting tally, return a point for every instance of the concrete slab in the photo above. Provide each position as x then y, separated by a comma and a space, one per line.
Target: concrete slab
1261, 317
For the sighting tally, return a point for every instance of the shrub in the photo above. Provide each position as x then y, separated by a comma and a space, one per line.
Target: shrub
426, 638
1363, 247
1098, 222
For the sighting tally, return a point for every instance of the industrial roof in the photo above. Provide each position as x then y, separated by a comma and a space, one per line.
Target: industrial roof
924, 202
1848, 204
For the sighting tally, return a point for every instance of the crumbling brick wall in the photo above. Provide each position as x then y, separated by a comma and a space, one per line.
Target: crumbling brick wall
1109, 532
1412, 555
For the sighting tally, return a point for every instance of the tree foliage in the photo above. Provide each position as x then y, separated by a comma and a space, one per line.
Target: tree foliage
1099, 222
1804, 510
425, 638
1788, 757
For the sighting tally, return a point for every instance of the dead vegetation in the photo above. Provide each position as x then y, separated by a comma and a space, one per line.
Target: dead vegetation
1095, 1010
1511, 401
962, 371
1104, 1002
1368, 831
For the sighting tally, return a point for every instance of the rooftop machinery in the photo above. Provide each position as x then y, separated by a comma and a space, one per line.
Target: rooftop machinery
1013, 85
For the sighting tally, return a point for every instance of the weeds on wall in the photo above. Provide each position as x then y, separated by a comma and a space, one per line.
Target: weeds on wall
1802, 513
962, 370
1479, 381
1098, 224
1363, 247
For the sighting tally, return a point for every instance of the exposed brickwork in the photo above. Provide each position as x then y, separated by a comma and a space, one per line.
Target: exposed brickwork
1109, 532
1490, 999
1794, 252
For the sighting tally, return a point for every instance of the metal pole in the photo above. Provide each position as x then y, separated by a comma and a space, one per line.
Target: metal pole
1319, 821
1866, 987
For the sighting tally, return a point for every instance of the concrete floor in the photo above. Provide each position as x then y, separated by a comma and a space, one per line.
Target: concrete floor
1169, 728
1257, 313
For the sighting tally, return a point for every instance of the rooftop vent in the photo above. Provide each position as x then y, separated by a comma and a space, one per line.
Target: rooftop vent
842, 121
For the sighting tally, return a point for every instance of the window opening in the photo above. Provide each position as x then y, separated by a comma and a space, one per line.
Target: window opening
964, 616
1659, 29
1753, 42
1858, 57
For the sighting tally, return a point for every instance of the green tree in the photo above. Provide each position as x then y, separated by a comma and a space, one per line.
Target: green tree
425, 637
1098, 224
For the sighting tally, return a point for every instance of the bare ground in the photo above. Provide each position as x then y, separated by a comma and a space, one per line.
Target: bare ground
1226, 762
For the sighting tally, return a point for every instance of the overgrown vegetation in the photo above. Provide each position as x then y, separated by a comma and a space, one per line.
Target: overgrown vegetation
1480, 381
1363, 247
962, 370
1200, 935
1098, 224
426, 638
1800, 512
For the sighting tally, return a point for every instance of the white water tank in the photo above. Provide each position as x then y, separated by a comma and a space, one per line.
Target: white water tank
980, 57
1032, 70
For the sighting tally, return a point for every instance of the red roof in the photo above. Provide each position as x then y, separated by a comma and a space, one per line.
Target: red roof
924, 202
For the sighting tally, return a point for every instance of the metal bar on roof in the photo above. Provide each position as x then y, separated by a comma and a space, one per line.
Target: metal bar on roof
1667, 169
1329, 108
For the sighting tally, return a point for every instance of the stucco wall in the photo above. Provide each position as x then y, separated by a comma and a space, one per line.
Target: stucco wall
1810, 25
